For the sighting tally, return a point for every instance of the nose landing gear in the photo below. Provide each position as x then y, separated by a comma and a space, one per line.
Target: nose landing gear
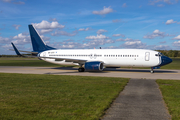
152, 71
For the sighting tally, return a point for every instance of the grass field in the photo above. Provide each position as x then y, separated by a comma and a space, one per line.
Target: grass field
18, 61
37, 97
171, 94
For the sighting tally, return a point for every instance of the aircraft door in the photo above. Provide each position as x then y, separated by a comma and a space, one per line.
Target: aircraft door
147, 56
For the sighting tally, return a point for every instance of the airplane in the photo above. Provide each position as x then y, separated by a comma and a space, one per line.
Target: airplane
95, 59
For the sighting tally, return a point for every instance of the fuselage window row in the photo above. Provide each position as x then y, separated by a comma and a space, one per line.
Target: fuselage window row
97, 55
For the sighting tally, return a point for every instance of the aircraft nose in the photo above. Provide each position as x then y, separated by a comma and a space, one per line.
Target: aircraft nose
165, 60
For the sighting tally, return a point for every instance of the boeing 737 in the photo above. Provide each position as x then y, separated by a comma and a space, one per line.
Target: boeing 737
95, 59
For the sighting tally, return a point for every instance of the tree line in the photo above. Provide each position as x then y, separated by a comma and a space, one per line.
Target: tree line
170, 53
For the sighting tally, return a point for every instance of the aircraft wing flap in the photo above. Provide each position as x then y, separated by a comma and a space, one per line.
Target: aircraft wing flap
67, 59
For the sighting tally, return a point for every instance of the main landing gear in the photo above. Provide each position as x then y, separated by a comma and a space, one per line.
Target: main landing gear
152, 71
81, 69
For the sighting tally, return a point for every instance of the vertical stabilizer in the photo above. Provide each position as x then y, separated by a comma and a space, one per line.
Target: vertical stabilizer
37, 42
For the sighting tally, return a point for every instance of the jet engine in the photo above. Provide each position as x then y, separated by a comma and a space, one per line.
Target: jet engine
93, 66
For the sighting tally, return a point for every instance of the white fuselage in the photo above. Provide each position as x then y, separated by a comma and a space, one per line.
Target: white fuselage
109, 57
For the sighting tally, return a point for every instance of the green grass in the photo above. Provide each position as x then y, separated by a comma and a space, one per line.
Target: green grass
19, 61
174, 65
37, 97
171, 94
27, 62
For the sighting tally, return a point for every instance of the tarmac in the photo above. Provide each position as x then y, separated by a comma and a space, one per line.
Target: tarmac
140, 100
120, 72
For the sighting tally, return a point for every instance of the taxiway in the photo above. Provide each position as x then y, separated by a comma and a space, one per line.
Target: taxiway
121, 72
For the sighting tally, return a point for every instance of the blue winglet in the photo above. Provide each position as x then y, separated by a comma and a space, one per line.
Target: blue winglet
16, 50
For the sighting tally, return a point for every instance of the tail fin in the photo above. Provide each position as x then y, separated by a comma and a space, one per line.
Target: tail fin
16, 50
37, 43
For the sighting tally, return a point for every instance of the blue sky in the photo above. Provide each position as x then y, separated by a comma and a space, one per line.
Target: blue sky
89, 24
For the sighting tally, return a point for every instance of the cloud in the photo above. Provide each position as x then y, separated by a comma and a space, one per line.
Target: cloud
134, 44
171, 21
64, 33
101, 31
160, 5
15, 2
4, 40
45, 31
97, 37
118, 35
177, 38
117, 20
47, 25
21, 39
53, 20
163, 42
156, 33
153, 2
162, 47
83, 29
104, 11
176, 43
16, 26
124, 5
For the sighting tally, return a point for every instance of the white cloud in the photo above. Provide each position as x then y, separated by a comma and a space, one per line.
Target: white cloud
162, 47
101, 31
117, 20
64, 33
53, 19
156, 33
171, 21
16, 26
4, 40
127, 39
45, 31
97, 37
153, 2
21, 39
104, 11
118, 35
124, 5
176, 43
83, 29
160, 5
177, 38
47, 25
134, 44
14, 2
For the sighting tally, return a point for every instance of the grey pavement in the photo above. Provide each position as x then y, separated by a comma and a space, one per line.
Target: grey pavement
140, 100
125, 73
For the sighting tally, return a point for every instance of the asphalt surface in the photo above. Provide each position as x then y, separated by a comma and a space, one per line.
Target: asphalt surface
140, 100
125, 73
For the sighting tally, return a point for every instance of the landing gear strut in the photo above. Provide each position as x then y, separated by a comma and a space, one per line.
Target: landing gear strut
152, 71
81, 69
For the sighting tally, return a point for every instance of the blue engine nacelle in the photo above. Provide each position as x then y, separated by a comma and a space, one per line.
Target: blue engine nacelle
93, 66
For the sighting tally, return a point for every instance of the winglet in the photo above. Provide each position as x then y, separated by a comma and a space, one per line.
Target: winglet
15, 49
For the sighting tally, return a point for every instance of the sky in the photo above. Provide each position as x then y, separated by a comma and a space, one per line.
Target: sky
91, 24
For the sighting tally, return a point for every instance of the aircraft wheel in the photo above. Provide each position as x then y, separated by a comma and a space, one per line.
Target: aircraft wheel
81, 69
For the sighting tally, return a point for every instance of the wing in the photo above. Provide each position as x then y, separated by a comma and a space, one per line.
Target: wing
81, 61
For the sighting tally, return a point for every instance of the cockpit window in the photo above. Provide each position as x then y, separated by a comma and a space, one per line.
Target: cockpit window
159, 54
